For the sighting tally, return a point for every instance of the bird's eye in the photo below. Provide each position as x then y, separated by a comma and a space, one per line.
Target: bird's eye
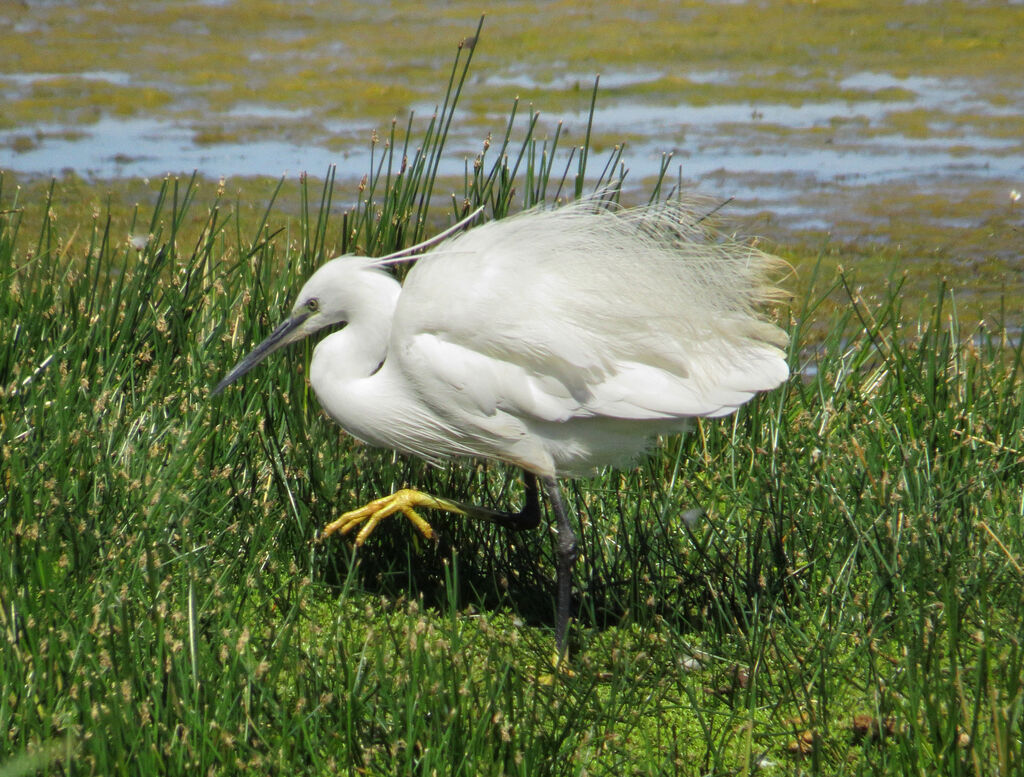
313, 305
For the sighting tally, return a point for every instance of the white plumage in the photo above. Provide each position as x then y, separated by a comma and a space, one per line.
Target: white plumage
557, 340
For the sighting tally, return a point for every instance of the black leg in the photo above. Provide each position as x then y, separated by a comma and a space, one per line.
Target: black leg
526, 519
407, 500
567, 553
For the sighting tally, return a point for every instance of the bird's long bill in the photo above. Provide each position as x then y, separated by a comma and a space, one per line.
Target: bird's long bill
278, 338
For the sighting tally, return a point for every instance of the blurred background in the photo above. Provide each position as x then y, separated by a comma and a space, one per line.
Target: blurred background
866, 125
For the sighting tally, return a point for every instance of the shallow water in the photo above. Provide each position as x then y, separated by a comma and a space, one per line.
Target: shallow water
734, 139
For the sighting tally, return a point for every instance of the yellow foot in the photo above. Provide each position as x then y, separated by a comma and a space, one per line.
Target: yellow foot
399, 502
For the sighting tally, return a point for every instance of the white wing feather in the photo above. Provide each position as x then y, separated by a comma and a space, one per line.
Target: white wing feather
580, 314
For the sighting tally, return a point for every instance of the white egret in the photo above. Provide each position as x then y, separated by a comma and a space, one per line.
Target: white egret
558, 341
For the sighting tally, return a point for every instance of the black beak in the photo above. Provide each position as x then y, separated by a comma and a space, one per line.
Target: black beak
278, 338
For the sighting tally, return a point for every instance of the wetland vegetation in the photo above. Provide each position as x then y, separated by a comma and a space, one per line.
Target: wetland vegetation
851, 601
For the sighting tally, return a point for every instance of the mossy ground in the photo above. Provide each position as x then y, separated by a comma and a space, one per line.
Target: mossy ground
851, 605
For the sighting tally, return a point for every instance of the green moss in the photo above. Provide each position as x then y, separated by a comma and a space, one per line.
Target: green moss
19, 144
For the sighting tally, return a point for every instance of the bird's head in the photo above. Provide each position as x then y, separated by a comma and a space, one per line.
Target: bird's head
325, 300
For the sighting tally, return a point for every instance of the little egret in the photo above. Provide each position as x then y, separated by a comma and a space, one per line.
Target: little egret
558, 341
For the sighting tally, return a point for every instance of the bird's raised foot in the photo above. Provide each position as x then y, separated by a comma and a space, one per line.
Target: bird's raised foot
404, 501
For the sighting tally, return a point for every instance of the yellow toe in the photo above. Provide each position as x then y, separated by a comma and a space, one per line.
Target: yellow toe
404, 501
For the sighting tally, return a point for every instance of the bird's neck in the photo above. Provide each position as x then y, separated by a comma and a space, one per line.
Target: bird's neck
357, 350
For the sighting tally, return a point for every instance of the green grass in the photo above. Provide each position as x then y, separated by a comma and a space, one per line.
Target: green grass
851, 604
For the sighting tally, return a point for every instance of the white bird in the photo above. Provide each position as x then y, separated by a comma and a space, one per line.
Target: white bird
559, 341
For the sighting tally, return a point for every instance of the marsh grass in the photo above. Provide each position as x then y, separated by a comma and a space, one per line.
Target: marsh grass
846, 596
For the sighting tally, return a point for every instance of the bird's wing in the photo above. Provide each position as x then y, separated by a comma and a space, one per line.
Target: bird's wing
567, 315
526, 384
464, 379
